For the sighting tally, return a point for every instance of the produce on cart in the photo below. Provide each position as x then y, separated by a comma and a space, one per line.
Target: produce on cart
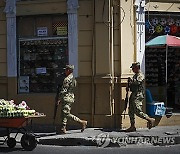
15, 117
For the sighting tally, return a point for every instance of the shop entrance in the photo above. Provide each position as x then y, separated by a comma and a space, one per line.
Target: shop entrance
42, 52
164, 90
163, 79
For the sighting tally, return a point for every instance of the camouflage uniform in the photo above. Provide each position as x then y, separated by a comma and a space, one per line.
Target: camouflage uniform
137, 97
67, 99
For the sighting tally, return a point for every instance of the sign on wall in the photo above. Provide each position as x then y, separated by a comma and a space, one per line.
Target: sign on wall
42, 31
24, 84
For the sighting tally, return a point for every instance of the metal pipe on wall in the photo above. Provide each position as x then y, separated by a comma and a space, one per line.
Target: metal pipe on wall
93, 68
111, 56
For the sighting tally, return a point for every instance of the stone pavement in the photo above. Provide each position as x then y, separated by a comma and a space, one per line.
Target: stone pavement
160, 135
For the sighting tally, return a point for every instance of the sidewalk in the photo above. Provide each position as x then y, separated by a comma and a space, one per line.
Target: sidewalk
160, 135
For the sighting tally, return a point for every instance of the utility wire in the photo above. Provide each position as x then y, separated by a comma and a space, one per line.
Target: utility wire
107, 23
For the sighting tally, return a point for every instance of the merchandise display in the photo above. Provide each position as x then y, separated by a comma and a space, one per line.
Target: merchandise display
161, 24
41, 64
156, 66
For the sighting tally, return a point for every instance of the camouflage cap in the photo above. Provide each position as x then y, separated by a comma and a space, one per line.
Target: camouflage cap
135, 64
71, 67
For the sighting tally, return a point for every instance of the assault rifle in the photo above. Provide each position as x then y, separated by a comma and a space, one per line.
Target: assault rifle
127, 97
56, 102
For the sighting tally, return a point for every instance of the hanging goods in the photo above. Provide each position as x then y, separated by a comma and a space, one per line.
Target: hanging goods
155, 21
151, 30
163, 21
147, 25
170, 21
173, 29
159, 28
167, 30
178, 22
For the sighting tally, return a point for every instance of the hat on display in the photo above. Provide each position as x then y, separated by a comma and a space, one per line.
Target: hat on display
71, 67
135, 64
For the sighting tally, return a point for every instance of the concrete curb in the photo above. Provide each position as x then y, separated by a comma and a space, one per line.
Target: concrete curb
67, 142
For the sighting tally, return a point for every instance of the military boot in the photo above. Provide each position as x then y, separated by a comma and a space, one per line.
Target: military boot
84, 125
150, 123
62, 130
131, 129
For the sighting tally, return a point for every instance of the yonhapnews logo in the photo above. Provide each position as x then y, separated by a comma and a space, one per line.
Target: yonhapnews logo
103, 140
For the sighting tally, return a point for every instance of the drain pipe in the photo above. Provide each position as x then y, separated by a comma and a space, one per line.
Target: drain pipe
111, 56
93, 69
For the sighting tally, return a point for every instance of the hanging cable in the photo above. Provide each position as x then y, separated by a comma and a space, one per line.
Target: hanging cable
107, 23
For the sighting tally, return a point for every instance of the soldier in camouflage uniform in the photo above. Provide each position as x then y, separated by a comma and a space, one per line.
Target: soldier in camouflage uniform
66, 97
136, 86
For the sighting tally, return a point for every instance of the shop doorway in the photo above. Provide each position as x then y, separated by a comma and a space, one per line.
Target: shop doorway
163, 67
42, 52
166, 90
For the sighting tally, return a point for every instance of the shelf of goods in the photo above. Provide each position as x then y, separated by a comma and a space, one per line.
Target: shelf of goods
41, 64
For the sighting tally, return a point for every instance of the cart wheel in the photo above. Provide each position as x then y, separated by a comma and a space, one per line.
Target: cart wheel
28, 142
11, 142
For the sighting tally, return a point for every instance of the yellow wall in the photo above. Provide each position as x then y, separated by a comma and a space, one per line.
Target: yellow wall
94, 82
41, 7
3, 58
128, 53
93, 92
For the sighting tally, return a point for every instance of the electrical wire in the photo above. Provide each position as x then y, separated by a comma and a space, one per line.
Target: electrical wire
107, 23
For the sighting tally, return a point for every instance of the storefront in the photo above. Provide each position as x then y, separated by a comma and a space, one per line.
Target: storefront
163, 20
101, 38
44, 35
43, 52
35, 47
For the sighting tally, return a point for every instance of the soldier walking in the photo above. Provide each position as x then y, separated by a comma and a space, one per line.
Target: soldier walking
66, 97
137, 87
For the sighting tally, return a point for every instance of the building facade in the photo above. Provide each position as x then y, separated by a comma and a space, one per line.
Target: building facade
101, 38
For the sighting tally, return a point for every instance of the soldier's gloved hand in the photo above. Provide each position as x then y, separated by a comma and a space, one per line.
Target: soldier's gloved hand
129, 79
58, 102
127, 89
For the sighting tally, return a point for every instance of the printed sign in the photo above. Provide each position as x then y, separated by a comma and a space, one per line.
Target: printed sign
24, 84
42, 31
62, 30
41, 70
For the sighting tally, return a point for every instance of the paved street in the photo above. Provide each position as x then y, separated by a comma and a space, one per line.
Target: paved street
46, 149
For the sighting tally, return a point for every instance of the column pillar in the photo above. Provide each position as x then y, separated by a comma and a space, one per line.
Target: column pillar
72, 6
10, 10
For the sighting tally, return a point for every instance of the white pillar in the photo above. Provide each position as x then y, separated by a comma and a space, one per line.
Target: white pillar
140, 33
10, 10
72, 6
